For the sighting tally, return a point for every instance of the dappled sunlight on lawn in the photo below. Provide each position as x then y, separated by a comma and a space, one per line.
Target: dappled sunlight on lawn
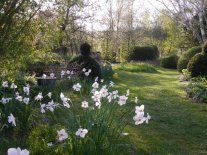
178, 125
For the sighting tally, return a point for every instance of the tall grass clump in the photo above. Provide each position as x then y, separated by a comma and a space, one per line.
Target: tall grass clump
137, 67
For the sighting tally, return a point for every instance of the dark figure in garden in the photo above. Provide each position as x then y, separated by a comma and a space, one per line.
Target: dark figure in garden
85, 61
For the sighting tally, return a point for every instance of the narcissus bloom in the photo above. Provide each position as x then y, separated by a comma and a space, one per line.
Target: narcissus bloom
5, 84
84, 104
77, 87
95, 85
81, 132
11, 119
62, 135
26, 89
65, 100
39, 97
122, 100
13, 86
17, 151
26, 100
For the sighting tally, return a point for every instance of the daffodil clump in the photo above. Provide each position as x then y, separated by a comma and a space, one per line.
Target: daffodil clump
87, 124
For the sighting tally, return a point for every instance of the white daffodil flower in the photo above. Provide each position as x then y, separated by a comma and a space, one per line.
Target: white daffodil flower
111, 84
127, 94
62, 135
49, 94
19, 98
104, 91
39, 97
17, 151
44, 76
84, 104
65, 100
139, 109
77, 87
11, 119
95, 85
84, 70
81, 132
26, 100
26, 89
43, 106
5, 84
13, 86
136, 100
96, 96
122, 100
52, 75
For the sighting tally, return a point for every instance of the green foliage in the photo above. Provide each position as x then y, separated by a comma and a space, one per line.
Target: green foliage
185, 58
137, 67
205, 48
107, 71
187, 74
144, 53
197, 90
170, 61
80, 62
41, 62
39, 138
197, 65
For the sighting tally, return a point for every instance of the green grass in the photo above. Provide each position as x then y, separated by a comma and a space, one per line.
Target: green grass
136, 67
178, 126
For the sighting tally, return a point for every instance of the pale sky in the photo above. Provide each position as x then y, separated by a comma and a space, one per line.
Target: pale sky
139, 7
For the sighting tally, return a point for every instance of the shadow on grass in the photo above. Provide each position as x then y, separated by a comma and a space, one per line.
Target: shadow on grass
178, 126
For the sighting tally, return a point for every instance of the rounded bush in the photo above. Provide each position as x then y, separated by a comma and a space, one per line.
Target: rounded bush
80, 62
185, 58
198, 65
170, 61
144, 53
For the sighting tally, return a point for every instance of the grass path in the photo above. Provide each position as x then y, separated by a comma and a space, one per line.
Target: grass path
178, 126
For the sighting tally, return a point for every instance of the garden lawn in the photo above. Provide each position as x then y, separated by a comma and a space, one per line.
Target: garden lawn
178, 125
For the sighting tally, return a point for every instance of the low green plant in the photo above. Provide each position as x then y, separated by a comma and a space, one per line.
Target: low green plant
137, 67
185, 58
107, 71
169, 61
197, 89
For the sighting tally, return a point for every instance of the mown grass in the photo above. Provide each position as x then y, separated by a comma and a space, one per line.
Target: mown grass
136, 67
178, 126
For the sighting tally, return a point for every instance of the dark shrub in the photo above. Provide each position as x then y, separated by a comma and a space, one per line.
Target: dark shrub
144, 53
198, 65
170, 61
85, 49
185, 58
80, 62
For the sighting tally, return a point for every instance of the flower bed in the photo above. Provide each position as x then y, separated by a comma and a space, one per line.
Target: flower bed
91, 121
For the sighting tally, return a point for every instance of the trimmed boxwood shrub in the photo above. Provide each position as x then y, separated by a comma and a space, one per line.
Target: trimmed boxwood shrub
170, 61
144, 53
185, 58
198, 63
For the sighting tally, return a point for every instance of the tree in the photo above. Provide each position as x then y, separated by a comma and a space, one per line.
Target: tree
185, 12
